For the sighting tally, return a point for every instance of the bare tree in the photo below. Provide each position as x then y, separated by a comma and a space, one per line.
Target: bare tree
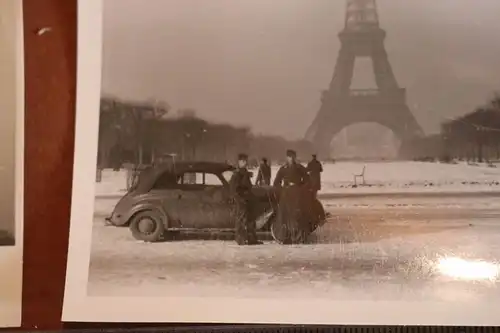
143, 131
122, 128
476, 135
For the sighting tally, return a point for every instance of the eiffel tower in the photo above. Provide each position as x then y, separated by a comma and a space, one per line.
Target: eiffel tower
342, 106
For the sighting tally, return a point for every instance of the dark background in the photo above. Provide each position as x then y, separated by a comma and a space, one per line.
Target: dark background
50, 69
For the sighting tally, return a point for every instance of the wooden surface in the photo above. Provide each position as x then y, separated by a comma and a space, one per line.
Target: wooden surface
50, 81
50, 69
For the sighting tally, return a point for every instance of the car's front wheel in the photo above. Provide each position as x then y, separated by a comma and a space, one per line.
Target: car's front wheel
283, 233
147, 226
277, 233
318, 215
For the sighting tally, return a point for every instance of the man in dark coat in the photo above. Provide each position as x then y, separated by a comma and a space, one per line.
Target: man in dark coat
291, 221
314, 169
241, 192
264, 174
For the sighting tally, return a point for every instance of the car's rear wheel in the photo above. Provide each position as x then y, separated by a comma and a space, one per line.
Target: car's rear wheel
147, 226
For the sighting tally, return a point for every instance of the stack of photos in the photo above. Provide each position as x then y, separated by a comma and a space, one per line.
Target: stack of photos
286, 161
11, 161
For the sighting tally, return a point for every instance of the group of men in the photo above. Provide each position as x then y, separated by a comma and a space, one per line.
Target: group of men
291, 175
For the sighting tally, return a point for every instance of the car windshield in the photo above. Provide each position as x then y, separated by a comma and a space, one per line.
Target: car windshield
227, 175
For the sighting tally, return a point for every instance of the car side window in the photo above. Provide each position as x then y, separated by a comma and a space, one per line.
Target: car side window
212, 179
200, 179
191, 178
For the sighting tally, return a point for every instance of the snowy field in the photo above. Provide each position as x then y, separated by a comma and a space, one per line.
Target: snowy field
426, 248
381, 177
413, 245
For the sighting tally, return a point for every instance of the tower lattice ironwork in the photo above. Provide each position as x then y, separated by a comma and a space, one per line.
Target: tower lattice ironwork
342, 106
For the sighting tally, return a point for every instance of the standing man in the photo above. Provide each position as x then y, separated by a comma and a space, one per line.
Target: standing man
314, 169
241, 192
291, 173
291, 178
264, 174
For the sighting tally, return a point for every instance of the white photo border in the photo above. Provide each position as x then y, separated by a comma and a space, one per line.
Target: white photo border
11, 257
80, 307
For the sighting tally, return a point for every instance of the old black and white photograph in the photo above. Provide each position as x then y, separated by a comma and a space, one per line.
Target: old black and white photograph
287, 161
11, 161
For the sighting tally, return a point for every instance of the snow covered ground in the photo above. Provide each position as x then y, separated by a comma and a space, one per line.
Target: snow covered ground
405, 248
438, 239
381, 177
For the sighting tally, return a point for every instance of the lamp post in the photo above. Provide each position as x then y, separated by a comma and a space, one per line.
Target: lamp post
202, 135
196, 140
185, 137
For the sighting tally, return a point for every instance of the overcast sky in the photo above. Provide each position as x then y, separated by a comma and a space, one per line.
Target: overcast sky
264, 63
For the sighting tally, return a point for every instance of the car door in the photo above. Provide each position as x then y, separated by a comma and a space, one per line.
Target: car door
216, 203
166, 192
188, 203
179, 196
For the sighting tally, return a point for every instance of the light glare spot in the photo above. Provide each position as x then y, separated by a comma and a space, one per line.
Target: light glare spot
468, 270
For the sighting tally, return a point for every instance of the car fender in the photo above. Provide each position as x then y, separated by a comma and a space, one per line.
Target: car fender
140, 207
319, 210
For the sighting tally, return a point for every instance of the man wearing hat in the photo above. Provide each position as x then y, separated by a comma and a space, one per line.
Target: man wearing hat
314, 168
264, 175
241, 192
291, 178
291, 173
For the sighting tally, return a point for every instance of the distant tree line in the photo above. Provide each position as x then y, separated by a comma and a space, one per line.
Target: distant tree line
474, 136
141, 132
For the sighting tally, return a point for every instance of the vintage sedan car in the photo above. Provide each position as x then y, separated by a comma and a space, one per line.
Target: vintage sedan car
190, 196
